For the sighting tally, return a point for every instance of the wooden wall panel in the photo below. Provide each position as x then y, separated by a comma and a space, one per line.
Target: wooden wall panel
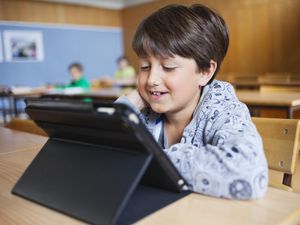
264, 34
48, 12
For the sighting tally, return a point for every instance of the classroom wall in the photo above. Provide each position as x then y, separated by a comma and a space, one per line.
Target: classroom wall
48, 12
95, 47
264, 34
92, 36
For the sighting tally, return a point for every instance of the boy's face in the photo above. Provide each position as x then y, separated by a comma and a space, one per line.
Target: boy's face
123, 64
169, 85
75, 73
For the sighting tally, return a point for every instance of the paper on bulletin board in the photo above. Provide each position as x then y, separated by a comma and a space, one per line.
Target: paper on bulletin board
23, 46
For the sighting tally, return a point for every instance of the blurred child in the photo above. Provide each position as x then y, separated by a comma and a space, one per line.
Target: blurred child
78, 79
125, 71
202, 126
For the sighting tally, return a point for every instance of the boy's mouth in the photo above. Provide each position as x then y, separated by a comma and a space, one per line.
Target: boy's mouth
157, 93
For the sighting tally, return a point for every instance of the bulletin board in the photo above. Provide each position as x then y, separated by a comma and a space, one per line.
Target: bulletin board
97, 48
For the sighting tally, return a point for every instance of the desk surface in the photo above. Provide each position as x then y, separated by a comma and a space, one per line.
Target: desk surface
285, 99
22, 92
101, 94
109, 93
19, 148
14, 141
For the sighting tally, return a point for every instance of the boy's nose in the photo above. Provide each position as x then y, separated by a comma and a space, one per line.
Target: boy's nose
154, 78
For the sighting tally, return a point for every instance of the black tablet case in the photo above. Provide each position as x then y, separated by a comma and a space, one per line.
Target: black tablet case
93, 162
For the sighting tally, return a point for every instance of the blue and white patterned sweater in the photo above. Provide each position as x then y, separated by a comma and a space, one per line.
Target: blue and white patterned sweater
220, 152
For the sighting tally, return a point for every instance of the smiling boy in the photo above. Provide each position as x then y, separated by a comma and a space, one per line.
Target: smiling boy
203, 128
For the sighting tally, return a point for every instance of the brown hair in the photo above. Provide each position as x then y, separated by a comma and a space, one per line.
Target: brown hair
192, 32
76, 65
123, 57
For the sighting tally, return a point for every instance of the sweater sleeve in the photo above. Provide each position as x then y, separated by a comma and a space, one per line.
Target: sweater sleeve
124, 100
231, 163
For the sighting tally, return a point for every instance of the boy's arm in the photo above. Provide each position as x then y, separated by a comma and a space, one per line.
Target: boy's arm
232, 164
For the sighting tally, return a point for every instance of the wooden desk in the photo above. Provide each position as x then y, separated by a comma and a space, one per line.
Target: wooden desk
18, 150
108, 95
15, 141
242, 81
17, 95
255, 100
101, 95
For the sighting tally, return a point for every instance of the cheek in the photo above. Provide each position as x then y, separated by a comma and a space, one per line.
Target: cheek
174, 84
141, 84
182, 85
141, 81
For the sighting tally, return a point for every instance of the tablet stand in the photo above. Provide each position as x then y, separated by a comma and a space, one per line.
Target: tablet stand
93, 162
89, 182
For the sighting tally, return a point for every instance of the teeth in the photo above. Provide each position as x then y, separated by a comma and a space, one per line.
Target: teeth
156, 93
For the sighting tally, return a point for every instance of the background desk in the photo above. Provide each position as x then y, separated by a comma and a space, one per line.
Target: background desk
108, 95
19, 148
12, 97
16, 96
255, 100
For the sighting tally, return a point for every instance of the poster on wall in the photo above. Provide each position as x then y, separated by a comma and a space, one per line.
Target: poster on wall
23, 46
1, 48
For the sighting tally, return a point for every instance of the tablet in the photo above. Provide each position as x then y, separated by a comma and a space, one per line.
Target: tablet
96, 161
114, 126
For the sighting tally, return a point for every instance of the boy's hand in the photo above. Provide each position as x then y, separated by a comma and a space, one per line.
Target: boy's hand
136, 99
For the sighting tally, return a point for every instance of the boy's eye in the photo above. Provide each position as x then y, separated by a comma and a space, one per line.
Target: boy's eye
168, 68
145, 68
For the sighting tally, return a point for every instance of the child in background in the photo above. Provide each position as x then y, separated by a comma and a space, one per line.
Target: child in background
202, 126
78, 79
125, 71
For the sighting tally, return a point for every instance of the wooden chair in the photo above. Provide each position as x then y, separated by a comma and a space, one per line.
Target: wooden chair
25, 125
281, 145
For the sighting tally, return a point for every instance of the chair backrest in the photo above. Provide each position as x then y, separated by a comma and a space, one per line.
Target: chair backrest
25, 125
281, 145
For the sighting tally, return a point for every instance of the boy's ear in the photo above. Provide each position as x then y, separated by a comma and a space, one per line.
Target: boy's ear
206, 74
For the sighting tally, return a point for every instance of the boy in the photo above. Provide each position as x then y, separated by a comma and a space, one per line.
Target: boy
78, 80
199, 122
